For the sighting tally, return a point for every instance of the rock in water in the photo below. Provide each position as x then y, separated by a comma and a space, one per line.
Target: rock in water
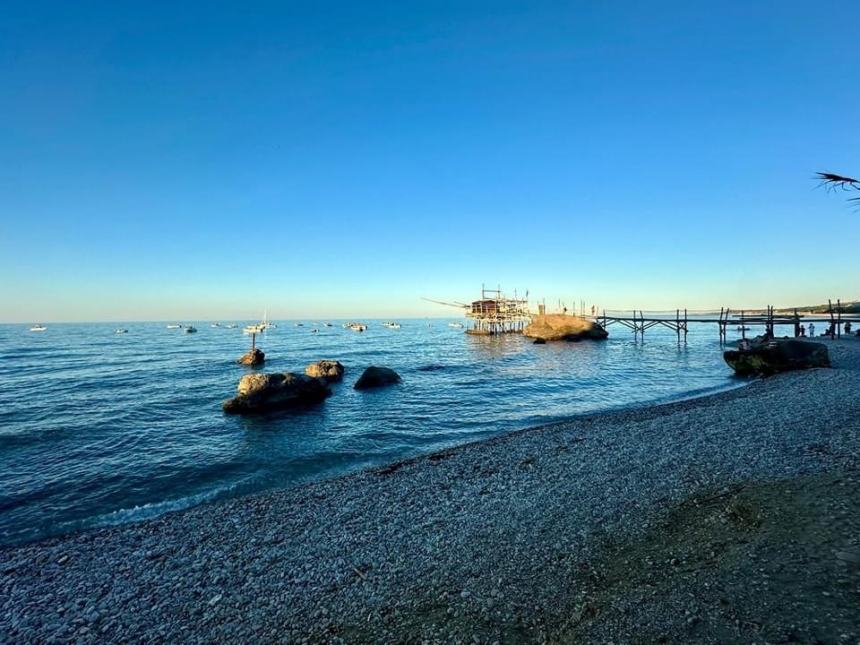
774, 356
253, 357
377, 377
563, 327
331, 371
264, 392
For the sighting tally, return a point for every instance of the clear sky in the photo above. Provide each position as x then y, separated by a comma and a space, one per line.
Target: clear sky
203, 160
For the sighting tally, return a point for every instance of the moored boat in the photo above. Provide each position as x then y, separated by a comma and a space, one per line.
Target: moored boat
121, 330
38, 327
191, 329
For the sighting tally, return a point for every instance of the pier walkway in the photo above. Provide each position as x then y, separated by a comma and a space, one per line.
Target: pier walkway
833, 319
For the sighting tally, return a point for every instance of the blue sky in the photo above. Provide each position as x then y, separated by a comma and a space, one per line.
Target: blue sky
206, 160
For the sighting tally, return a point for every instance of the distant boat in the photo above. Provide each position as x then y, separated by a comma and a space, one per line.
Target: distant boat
121, 330
300, 324
191, 329
38, 327
391, 325
328, 324
232, 326
742, 328
456, 324
265, 324
214, 325
357, 326
254, 329
174, 326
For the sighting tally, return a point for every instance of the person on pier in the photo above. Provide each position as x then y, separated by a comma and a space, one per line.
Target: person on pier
848, 327
803, 331
812, 330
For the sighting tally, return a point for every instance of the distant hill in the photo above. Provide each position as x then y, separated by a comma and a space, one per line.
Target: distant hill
846, 307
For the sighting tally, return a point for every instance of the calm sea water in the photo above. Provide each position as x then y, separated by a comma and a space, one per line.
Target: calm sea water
98, 428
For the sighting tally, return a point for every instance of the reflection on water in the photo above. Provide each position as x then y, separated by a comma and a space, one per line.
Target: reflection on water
97, 428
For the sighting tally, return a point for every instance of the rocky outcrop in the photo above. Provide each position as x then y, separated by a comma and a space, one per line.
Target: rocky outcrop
253, 358
330, 371
377, 377
563, 327
773, 356
264, 392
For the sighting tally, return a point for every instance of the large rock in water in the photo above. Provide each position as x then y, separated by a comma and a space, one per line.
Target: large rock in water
253, 357
563, 327
264, 392
330, 371
377, 377
772, 356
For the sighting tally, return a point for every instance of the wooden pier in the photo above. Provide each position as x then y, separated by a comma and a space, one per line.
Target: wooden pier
834, 319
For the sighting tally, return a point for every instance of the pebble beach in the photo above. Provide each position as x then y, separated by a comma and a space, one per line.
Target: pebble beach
519, 538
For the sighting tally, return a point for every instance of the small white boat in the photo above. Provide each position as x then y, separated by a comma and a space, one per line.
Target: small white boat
38, 327
254, 329
232, 326
174, 326
391, 325
456, 324
327, 324
215, 325
191, 329
357, 327
121, 330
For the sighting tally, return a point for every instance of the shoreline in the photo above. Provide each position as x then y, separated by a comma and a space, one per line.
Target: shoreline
486, 539
218, 497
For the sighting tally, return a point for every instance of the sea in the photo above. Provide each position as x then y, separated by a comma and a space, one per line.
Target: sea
99, 428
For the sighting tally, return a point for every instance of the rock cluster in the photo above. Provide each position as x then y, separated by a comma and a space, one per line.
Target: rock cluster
330, 371
376, 377
264, 392
563, 327
772, 356
253, 357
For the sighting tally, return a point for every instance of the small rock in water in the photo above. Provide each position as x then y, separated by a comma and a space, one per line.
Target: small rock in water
330, 371
253, 357
377, 377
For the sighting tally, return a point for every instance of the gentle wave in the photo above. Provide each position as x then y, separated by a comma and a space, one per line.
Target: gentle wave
98, 428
